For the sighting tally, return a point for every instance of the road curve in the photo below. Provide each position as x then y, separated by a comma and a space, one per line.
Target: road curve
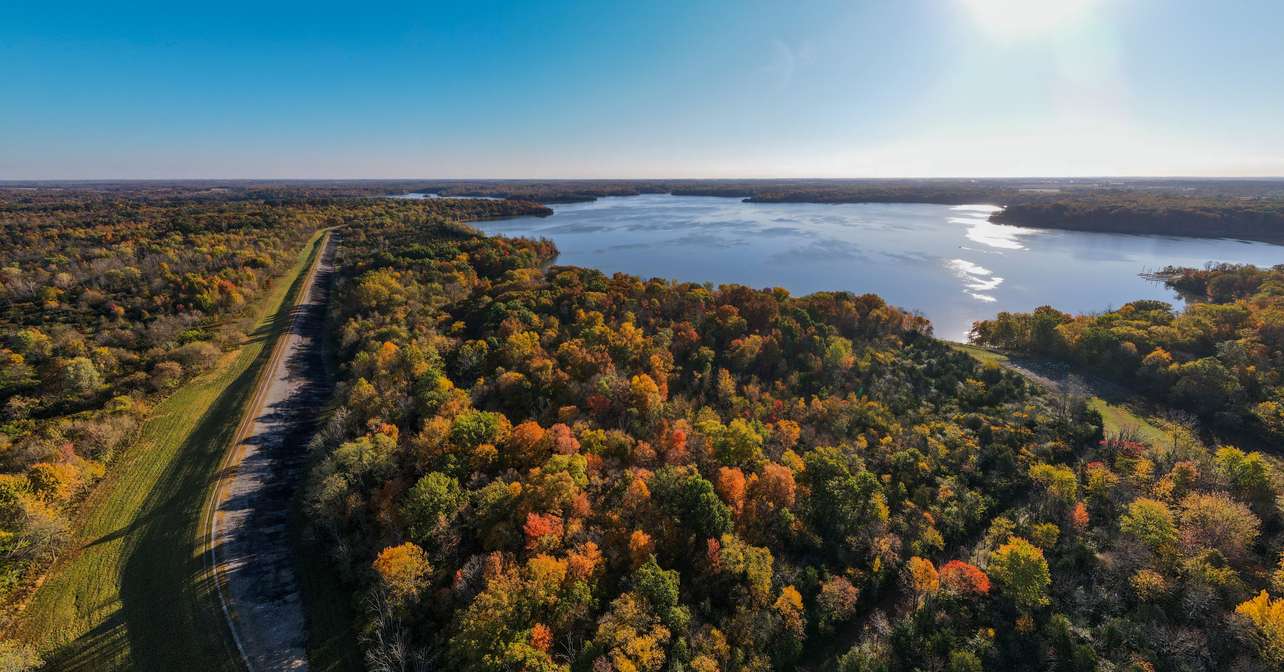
249, 542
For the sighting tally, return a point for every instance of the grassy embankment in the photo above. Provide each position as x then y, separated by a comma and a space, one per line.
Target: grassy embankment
135, 592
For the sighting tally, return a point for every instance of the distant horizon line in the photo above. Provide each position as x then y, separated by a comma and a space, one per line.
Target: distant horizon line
117, 180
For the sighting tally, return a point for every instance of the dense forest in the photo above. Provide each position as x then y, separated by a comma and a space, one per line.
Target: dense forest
110, 301
1220, 357
538, 467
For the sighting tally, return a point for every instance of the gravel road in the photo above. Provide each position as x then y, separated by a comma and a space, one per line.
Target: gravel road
250, 541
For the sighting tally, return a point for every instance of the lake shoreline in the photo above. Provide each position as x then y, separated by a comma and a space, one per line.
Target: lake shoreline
1246, 210
947, 262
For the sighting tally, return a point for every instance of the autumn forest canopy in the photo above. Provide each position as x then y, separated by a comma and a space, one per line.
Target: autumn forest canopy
532, 466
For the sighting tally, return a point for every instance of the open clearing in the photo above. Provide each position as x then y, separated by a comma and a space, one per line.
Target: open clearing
1116, 415
135, 593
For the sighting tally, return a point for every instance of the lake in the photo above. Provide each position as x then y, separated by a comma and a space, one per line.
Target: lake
946, 262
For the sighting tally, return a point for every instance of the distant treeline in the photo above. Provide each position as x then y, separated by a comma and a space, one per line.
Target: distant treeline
762, 191
544, 191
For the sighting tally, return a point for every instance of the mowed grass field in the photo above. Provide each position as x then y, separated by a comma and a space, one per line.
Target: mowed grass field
135, 592
1117, 418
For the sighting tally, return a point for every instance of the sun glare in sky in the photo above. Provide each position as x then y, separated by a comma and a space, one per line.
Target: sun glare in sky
1012, 20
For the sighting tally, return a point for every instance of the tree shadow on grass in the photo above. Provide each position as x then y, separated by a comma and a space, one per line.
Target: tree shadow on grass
97, 649
168, 597
169, 617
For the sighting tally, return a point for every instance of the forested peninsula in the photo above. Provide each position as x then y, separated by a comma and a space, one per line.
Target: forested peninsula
1201, 217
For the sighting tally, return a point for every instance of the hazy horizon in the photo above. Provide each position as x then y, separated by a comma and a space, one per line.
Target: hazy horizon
649, 178
579, 90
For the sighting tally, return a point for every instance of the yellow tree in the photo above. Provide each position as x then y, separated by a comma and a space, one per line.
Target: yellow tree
403, 570
1267, 617
923, 578
1022, 571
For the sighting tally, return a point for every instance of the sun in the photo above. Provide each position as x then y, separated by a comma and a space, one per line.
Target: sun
1014, 20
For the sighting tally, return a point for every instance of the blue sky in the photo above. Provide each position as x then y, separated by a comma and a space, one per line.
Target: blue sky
641, 89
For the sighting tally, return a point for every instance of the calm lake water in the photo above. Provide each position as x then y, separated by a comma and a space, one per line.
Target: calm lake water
946, 262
